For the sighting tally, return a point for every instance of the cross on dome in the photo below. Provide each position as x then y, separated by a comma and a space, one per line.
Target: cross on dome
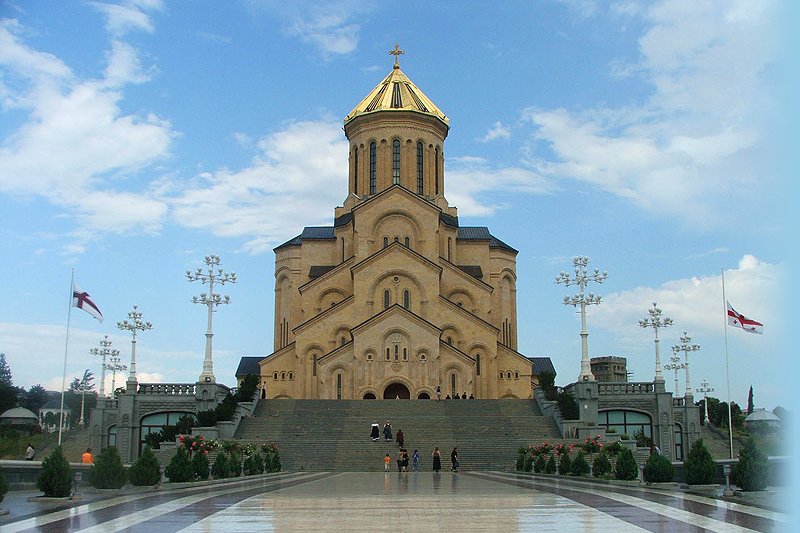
396, 53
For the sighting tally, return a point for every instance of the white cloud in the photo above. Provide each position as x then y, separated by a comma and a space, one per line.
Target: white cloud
497, 131
122, 18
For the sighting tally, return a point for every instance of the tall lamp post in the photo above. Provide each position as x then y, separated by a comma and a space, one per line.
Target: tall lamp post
114, 366
133, 324
213, 276
581, 278
655, 321
705, 389
675, 365
104, 352
686, 346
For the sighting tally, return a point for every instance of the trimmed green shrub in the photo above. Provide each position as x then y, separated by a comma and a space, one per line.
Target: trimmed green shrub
752, 470
3, 485
55, 478
226, 408
200, 464
567, 406
528, 466
613, 449
521, 453
254, 465
699, 467
247, 390
221, 468
180, 468
234, 465
626, 467
550, 467
272, 459
539, 464
601, 465
658, 469
207, 418
564, 464
108, 472
579, 465
185, 425
146, 471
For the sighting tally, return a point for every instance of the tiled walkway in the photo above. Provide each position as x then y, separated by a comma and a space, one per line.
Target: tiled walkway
423, 501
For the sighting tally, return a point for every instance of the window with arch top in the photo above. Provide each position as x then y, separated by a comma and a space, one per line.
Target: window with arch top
338, 386
406, 299
420, 167
372, 166
396, 162
387, 299
355, 170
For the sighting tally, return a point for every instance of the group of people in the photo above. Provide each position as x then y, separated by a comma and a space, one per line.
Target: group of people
87, 456
375, 432
402, 454
456, 396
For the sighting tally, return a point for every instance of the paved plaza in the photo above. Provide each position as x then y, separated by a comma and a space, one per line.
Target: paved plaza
412, 501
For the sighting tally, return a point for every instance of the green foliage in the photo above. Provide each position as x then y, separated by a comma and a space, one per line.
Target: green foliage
154, 439
200, 464
185, 425
146, 471
613, 449
550, 467
226, 408
522, 453
247, 389
272, 459
3, 485
34, 399
547, 382
601, 465
658, 469
108, 472
564, 464
55, 477
699, 467
528, 466
567, 405
539, 464
626, 467
639, 437
207, 418
579, 465
752, 470
254, 465
169, 433
221, 468
180, 468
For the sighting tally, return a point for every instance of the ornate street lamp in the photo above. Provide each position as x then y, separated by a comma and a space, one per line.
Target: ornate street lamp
581, 278
104, 352
213, 275
114, 366
675, 365
686, 346
133, 325
655, 321
705, 389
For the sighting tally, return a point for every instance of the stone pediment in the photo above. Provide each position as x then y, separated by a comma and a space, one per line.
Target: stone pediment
469, 316
460, 274
396, 314
394, 254
323, 315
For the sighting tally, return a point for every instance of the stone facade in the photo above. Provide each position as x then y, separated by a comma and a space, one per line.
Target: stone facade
609, 368
395, 298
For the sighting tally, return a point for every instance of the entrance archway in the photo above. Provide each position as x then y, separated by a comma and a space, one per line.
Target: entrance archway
396, 390
369, 396
423, 396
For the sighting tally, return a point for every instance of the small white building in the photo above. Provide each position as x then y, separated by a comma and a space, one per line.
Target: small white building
761, 420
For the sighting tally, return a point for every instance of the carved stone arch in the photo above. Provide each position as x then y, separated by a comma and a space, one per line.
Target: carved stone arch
347, 376
339, 331
507, 272
463, 298
331, 295
397, 223
386, 282
451, 330
508, 395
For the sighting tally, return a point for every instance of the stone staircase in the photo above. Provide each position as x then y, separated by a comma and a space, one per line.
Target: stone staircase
333, 435
718, 444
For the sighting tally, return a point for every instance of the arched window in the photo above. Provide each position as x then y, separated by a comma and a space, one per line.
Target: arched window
291, 376
395, 161
112, 436
283, 376
516, 374
372, 162
275, 376
314, 365
501, 375
449, 248
420, 175
387, 299
452, 385
478, 364
407, 242
423, 358
342, 341
678, 443
405, 354
436, 171
388, 355
508, 375
355, 170
450, 341
396, 352
626, 422
369, 357
406, 299
338, 386
385, 242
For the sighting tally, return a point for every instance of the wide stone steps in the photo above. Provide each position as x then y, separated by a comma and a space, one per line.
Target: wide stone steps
334, 435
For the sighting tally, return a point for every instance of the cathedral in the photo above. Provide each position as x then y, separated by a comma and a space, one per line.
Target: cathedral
395, 299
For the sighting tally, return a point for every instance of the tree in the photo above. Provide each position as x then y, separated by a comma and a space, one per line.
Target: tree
56, 476
34, 399
752, 470
699, 467
108, 471
626, 467
5, 371
750, 404
9, 394
146, 471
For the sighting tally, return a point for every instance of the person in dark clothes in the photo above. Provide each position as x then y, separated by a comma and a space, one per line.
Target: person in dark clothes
400, 438
375, 433
437, 459
387, 431
454, 459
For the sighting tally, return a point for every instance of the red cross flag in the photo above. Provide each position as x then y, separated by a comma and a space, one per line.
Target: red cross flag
738, 320
82, 300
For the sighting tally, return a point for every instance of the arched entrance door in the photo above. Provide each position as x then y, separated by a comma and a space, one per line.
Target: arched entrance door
396, 390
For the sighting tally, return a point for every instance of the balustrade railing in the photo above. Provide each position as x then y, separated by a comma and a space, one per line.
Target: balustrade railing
169, 389
642, 387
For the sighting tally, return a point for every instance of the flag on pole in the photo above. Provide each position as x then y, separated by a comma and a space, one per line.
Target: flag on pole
738, 320
82, 300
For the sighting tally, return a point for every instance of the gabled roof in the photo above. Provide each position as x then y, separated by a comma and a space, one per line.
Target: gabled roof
396, 93
249, 365
542, 364
481, 233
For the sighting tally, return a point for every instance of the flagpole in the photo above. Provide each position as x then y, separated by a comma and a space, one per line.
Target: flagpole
727, 370
66, 348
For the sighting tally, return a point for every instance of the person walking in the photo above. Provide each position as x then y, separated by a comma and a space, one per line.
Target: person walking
454, 459
400, 438
438, 393
415, 461
437, 459
405, 460
30, 453
386, 462
387, 431
375, 432
87, 457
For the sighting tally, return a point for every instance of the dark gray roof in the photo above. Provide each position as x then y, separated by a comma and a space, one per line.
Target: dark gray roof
317, 232
294, 241
473, 270
448, 220
542, 364
497, 243
249, 365
317, 271
343, 220
474, 233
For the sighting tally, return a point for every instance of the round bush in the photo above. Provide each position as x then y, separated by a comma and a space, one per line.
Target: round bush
579, 465
752, 470
3, 485
626, 467
108, 472
601, 465
254, 465
221, 468
180, 468
200, 464
55, 478
658, 469
146, 471
521, 454
564, 464
550, 467
699, 467
539, 464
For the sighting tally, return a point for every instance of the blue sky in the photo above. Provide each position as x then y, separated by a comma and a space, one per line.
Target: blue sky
137, 137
